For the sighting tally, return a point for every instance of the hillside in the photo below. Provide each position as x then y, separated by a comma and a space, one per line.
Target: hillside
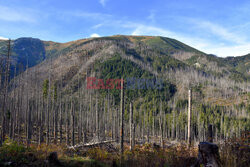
33, 51
52, 101
154, 57
240, 64
215, 80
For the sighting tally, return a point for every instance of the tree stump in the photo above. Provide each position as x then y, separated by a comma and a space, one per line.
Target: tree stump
53, 159
208, 155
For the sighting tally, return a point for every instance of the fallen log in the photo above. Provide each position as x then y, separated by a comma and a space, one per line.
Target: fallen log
91, 144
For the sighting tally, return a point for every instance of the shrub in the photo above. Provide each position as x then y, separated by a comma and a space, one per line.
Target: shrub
12, 151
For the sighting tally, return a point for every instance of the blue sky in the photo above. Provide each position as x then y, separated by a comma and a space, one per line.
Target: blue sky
220, 27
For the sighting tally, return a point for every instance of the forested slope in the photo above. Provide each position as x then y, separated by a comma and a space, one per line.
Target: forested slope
56, 85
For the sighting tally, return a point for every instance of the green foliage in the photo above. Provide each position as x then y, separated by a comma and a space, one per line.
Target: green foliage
168, 45
27, 52
248, 108
45, 88
117, 68
163, 63
181, 104
192, 60
20, 155
11, 151
240, 63
54, 88
98, 154
214, 114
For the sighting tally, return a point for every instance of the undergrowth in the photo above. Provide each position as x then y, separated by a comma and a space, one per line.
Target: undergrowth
233, 153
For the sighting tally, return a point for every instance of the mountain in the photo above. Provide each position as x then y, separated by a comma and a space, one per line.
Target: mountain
150, 56
240, 63
25, 52
131, 56
161, 70
33, 51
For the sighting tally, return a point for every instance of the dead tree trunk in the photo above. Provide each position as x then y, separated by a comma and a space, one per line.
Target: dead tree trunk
72, 124
41, 123
48, 109
131, 125
61, 117
122, 118
5, 90
153, 115
29, 126
210, 134
97, 120
67, 123
189, 115
55, 111
161, 126
148, 123
27, 114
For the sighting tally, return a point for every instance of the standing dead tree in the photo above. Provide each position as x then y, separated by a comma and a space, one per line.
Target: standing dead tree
161, 125
72, 113
122, 118
189, 115
48, 107
131, 126
5, 94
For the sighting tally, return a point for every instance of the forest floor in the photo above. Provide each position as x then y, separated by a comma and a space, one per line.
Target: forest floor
233, 152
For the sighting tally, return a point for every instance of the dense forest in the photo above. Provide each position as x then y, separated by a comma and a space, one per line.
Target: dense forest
45, 100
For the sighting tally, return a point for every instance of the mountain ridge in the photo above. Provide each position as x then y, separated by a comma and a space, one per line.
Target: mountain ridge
163, 53
160, 56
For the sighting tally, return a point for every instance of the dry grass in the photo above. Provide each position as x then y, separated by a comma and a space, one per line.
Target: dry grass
233, 153
236, 152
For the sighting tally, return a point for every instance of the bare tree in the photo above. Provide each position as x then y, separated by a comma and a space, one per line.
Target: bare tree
131, 125
5, 93
161, 125
122, 118
189, 115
